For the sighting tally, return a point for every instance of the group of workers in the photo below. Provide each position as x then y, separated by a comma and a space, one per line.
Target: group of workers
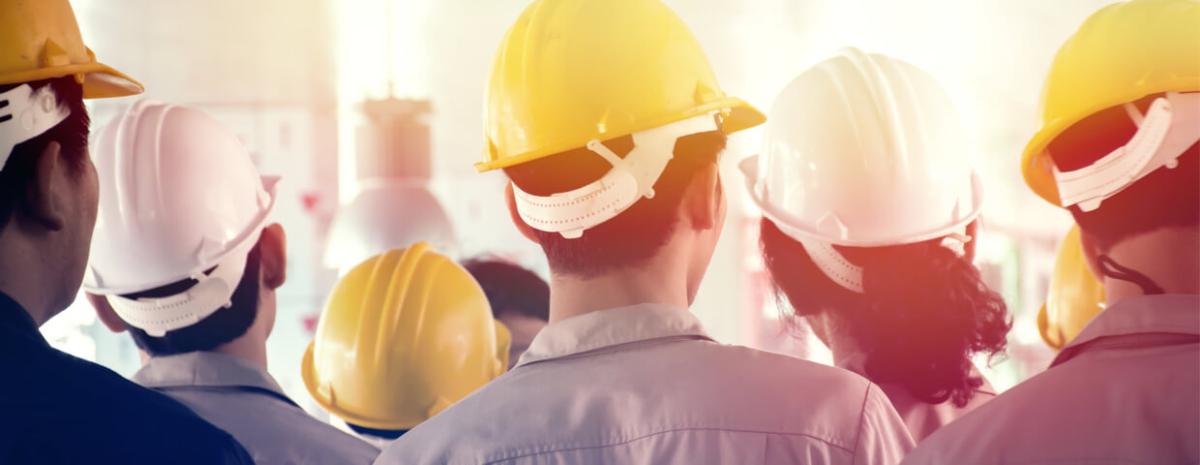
609, 123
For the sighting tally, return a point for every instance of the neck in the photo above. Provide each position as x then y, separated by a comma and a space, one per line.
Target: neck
251, 347
1169, 257
846, 353
25, 277
661, 280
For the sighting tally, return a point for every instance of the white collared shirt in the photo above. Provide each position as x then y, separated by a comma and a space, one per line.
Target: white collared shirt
644, 385
1125, 391
248, 404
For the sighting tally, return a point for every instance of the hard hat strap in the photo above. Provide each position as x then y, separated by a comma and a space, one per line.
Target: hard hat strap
158, 315
840, 270
1167, 130
835, 265
25, 114
631, 178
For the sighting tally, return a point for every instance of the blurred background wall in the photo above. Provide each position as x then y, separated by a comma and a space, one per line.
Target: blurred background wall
355, 100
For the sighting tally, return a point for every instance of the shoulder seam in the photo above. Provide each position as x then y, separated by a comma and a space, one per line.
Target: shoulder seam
862, 420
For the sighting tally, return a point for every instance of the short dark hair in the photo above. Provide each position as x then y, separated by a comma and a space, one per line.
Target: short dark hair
636, 234
511, 288
71, 134
924, 313
379, 433
221, 327
1164, 198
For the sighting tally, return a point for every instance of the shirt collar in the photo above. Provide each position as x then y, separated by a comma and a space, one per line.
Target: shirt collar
612, 327
204, 369
16, 322
1163, 313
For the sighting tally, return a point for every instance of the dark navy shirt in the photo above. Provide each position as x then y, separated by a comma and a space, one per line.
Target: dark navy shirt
58, 409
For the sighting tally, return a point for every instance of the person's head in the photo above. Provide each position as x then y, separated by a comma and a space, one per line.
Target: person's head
403, 336
48, 191
184, 254
869, 224
250, 312
47, 182
923, 313
1164, 200
685, 216
608, 119
1118, 142
519, 298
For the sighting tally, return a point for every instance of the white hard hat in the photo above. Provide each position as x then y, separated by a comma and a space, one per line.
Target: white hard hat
385, 215
863, 150
179, 196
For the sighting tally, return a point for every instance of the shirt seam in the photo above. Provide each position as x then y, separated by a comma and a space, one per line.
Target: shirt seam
553, 450
862, 421
584, 351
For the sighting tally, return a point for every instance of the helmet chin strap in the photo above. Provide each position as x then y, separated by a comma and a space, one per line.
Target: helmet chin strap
1114, 270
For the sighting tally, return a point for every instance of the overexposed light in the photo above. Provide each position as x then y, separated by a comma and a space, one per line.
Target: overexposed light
382, 50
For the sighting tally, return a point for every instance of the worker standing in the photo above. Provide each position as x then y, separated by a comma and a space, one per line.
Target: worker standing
59, 409
870, 217
186, 259
1119, 148
404, 335
609, 122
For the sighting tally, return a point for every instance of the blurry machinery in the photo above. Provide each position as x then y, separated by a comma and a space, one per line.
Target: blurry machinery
393, 207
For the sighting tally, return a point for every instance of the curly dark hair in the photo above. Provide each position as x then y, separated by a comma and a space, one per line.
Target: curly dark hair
924, 313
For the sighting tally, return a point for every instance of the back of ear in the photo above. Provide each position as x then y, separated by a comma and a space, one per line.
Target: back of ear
704, 199
272, 246
105, 312
44, 201
515, 217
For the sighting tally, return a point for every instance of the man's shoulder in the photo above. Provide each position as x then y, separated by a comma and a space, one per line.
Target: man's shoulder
273, 429
616, 397
1061, 411
71, 406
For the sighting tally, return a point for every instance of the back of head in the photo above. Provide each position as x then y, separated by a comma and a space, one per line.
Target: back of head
510, 288
583, 114
923, 314
1121, 122
182, 212
870, 207
403, 336
45, 73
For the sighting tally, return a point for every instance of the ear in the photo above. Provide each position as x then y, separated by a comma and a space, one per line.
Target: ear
43, 200
703, 200
272, 249
511, 200
105, 312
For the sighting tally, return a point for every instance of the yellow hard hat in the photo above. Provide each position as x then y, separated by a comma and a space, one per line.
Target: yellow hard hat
1075, 296
573, 71
1122, 53
404, 335
41, 41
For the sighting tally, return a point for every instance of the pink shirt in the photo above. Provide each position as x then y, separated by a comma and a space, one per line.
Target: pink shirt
1125, 391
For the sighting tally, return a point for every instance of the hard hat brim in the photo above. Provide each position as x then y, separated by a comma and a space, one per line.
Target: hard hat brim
99, 80
308, 374
1036, 165
741, 115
